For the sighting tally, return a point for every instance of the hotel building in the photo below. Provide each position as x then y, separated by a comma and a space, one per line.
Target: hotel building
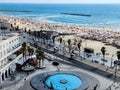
9, 43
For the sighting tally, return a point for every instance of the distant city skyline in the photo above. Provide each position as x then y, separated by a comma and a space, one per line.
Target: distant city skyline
60, 1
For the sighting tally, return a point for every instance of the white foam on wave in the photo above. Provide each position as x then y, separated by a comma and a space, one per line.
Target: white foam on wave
45, 18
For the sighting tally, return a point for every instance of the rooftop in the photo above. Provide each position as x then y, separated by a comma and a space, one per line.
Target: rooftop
7, 35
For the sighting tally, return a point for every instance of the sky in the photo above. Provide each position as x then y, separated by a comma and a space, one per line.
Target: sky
59, 1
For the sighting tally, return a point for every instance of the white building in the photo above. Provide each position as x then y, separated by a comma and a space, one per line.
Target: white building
9, 44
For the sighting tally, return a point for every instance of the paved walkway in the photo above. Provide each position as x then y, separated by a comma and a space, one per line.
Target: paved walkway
64, 66
25, 84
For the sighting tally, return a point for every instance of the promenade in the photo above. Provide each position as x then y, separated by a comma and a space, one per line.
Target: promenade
85, 63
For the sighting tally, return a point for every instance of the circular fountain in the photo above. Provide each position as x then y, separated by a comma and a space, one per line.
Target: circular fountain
64, 80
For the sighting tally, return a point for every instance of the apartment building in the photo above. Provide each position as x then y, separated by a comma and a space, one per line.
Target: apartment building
9, 43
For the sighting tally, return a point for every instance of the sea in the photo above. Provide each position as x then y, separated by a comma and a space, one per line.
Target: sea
102, 15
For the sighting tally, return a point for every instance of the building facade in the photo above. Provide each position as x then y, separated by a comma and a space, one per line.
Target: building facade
9, 43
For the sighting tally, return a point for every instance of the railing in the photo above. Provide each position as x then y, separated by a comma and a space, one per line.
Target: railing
10, 62
11, 51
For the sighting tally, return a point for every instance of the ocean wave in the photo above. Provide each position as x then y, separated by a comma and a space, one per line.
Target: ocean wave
46, 18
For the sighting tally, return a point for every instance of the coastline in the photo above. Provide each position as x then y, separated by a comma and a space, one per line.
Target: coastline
93, 36
19, 21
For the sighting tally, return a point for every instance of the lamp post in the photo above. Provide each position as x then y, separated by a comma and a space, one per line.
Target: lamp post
115, 73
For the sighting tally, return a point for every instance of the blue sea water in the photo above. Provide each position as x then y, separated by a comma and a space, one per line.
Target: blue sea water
102, 15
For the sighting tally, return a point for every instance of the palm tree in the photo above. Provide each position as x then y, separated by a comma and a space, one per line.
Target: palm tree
23, 50
32, 51
36, 44
75, 41
79, 46
69, 44
103, 50
70, 47
40, 56
44, 37
60, 40
25, 30
29, 50
40, 35
17, 28
118, 55
47, 38
53, 40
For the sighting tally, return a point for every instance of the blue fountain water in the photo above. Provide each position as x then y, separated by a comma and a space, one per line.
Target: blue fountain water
64, 81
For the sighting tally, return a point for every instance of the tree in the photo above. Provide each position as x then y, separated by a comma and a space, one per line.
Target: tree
69, 45
79, 46
29, 50
75, 41
36, 44
25, 30
53, 40
44, 38
47, 38
118, 55
17, 28
60, 40
40, 35
23, 50
103, 50
40, 56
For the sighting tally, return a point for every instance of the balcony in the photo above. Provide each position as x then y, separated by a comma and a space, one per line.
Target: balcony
10, 62
10, 52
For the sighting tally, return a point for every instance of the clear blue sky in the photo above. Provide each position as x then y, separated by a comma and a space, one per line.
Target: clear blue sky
60, 1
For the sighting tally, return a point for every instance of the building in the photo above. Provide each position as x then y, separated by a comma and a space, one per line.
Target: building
9, 43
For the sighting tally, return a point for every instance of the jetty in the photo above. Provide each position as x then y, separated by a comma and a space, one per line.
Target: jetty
14, 11
87, 15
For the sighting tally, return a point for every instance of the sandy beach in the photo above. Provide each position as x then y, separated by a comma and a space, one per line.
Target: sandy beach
92, 34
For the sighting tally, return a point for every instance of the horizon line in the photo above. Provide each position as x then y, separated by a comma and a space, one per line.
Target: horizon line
50, 3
